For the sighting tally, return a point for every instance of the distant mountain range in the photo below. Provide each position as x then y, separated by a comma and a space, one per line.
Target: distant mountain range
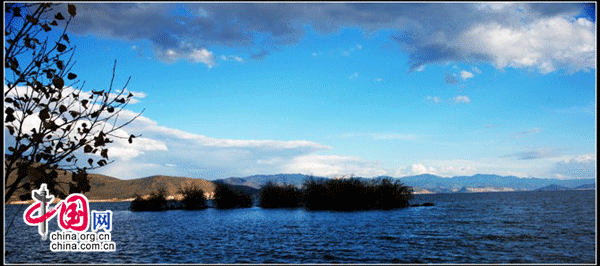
552, 187
433, 183
586, 186
111, 188
441, 184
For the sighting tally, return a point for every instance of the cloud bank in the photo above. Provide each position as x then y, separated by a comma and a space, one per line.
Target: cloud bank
164, 150
169, 151
582, 166
539, 36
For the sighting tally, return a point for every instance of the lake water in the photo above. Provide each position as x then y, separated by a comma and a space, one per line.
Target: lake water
511, 227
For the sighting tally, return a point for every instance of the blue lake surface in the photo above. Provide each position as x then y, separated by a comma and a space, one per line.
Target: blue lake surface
510, 227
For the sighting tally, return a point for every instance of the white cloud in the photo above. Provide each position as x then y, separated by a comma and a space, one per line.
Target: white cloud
135, 98
332, 165
351, 50
232, 58
462, 99
420, 68
121, 169
198, 155
138, 94
495, 7
542, 36
468, 167
353, 76
546, 44
170, 55
202, 55
456, 169
378, 79
193, 55
435, 99
163, 150
466, 75
419, 169
581, 166
33, 121
121, 149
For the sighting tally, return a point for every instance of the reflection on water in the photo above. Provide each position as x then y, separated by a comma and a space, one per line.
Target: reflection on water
511, 227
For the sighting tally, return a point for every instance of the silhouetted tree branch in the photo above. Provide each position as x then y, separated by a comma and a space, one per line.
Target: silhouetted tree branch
46, 111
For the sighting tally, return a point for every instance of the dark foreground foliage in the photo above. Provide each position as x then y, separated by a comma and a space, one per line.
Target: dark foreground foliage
193, 197
228, 197
156, 202
284, 196
351, 194
344, 194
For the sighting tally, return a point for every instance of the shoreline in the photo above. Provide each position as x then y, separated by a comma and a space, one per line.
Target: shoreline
29, 202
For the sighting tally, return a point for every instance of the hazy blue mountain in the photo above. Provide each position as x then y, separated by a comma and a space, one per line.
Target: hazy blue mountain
586, 186
552, 187
439, 184
243, 188
426, 181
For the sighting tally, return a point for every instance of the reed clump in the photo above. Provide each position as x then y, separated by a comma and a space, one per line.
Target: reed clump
157, 201
193, 197
280, 196
353, 194
229, 197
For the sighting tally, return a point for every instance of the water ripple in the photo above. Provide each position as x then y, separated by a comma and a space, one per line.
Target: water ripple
520, 227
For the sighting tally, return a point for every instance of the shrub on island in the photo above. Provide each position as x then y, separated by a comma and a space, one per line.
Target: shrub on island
352, 194
279, 196
426, 204
156, 202
193, 197
228, 197
390, 194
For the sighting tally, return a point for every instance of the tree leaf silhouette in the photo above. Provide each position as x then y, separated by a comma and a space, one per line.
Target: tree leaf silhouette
87, 149
44, 114
58, 82
60, 47
72, 10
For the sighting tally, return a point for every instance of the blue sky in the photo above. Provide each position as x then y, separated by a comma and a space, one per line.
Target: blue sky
341, 89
